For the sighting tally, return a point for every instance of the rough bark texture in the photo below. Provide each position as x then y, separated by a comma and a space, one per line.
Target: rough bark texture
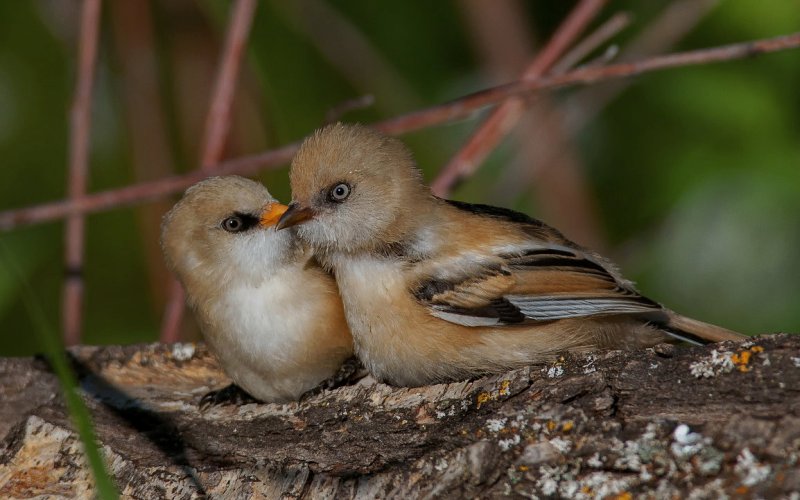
663, 422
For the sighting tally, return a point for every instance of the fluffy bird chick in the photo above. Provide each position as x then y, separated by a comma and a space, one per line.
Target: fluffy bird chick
270, 314
437, 290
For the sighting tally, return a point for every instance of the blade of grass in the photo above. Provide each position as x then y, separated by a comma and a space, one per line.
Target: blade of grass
51, 342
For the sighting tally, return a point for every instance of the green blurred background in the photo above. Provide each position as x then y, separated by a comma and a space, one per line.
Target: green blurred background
689, 178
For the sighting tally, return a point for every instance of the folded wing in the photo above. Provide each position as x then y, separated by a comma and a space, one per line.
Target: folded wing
543, 282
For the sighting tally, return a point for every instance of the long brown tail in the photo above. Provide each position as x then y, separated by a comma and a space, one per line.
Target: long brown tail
703, 331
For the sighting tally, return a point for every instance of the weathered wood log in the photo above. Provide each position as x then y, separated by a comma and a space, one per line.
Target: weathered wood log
662, 422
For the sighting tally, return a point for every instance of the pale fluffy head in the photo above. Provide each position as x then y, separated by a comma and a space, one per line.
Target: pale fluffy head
207, 257
386, 189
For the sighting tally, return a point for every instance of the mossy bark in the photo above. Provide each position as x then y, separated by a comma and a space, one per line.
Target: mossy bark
664, 422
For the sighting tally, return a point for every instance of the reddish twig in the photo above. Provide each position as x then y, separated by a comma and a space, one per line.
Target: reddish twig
80, 124
562, 192
465, 106
591, 42
505, 117
143, 191
442, 113
218, 120
217, 127
677, 19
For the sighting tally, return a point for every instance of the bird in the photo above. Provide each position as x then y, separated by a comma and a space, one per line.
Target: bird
269, 313
436, 290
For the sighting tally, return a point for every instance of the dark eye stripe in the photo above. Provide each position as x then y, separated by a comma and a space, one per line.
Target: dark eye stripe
249, 221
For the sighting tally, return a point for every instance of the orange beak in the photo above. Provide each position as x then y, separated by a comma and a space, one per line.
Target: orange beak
296, 214
271, 215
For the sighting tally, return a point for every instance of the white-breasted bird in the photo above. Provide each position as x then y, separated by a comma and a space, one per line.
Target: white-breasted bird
268, 311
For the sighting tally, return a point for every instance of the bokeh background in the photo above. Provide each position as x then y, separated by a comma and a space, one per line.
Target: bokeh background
688, 178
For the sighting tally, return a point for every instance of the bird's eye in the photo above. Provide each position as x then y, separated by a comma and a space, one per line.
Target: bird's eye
233, 224
340, 192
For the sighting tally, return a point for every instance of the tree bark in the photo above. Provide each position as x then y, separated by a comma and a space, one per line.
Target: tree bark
666, 422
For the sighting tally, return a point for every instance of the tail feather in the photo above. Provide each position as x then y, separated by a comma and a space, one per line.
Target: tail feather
684, 337
698, 331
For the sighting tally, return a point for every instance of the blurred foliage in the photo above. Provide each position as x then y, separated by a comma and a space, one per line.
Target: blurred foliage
695, 171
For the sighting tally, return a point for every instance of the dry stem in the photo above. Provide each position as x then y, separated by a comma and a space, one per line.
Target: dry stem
505, 117
218, 124
80, 125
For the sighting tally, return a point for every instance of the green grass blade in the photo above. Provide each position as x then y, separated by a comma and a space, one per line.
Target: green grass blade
54, 350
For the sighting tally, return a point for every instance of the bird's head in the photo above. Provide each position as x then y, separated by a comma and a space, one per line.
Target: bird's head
353, 189
222, 229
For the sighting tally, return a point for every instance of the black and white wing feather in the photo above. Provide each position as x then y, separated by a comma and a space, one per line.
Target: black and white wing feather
548, 279
537, 284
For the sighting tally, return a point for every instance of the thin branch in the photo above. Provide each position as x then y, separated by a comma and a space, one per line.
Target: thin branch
565, 35
562, 191
563, 194
591, 42
217, 128
80, 125
218, 120
143, 191
467, 105
676, 20
442, 113
505, 117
